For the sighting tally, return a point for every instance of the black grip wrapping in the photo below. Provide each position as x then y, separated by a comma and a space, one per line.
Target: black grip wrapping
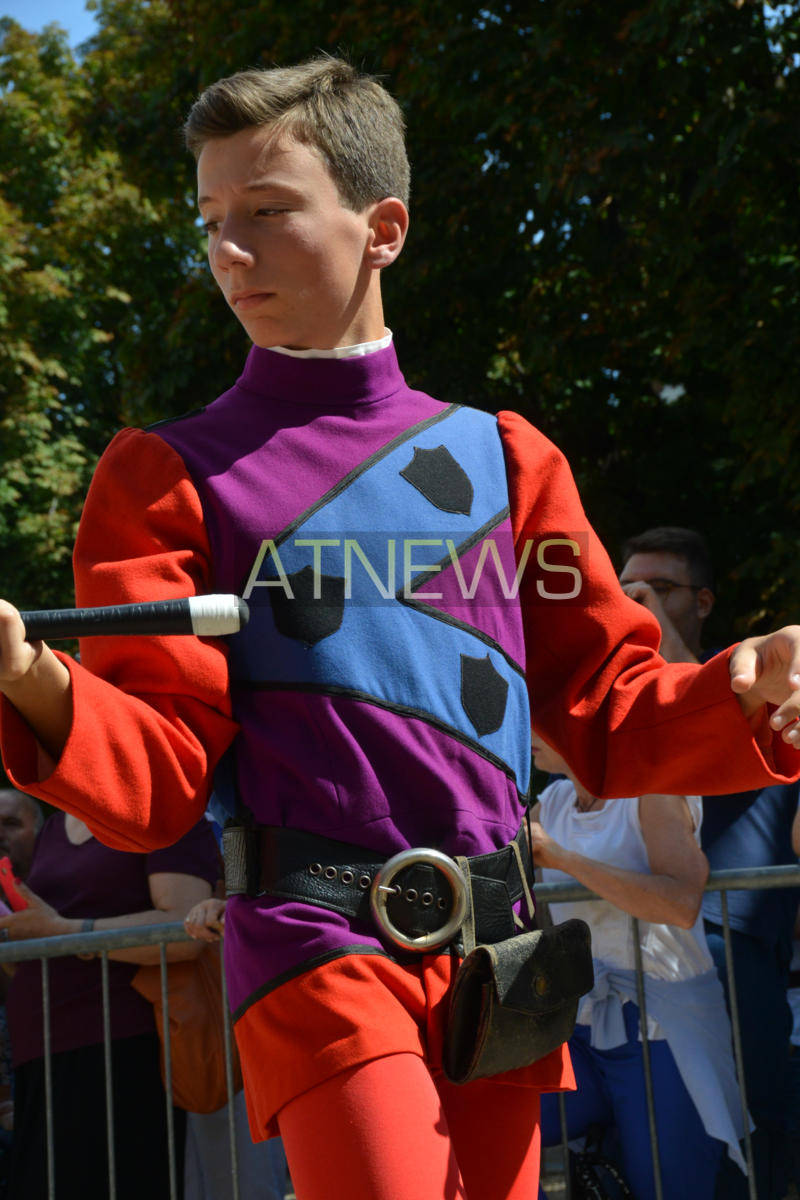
157, 617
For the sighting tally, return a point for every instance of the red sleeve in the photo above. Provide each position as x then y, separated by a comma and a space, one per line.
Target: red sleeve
151, 716
627, 722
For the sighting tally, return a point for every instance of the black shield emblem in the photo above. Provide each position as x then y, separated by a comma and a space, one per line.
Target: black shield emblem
441, 480
483, 694
316, 610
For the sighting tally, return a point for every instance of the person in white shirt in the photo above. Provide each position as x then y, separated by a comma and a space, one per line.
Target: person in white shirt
642, 856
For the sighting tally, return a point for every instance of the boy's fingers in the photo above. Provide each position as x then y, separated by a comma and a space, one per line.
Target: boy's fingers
785, 717
16, 655
792, 736
791, 640
743, 664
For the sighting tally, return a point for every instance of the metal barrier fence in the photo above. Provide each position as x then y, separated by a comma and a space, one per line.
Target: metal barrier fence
753, 878
101, 943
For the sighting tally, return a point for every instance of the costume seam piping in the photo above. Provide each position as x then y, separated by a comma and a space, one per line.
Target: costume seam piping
401, 710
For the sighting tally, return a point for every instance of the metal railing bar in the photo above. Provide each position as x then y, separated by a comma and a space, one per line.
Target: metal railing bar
733, 1004
112, 1166
100, 942
166, 1041
48, 1083
562, 1116
227, 1042
744, 879
753, 878
648, 1073
93, 943
173, 931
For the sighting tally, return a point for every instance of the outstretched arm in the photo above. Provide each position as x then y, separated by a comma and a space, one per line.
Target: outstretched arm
35, 682
766, 671
626, 721
126, 740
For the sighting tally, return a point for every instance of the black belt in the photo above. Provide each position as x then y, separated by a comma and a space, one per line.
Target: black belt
419, 899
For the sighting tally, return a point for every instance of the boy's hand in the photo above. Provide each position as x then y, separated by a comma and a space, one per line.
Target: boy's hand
36, 682
16, 655
766, 670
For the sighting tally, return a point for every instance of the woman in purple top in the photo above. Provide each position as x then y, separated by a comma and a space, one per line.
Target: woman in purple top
77, 883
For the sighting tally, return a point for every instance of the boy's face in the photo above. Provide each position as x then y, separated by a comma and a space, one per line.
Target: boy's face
288, 256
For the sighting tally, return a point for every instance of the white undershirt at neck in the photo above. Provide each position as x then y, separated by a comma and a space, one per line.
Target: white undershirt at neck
339, 351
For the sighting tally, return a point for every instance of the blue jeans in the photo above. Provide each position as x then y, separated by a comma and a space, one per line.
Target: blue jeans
262, 1165
765, 1019
611, 1093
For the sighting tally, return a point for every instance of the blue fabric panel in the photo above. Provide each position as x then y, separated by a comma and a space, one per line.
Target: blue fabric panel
382, 500
401, 656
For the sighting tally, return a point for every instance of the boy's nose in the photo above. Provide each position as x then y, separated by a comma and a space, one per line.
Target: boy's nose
231, 251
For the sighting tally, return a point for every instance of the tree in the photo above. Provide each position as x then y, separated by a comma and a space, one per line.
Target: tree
43, 349
603, 236
91, 271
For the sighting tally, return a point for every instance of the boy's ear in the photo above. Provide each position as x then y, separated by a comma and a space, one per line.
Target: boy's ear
388, 222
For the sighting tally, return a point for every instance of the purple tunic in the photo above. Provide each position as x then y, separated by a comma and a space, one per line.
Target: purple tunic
354, 726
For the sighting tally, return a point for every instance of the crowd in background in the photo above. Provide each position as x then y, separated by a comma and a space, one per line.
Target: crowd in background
663, 847
73, 883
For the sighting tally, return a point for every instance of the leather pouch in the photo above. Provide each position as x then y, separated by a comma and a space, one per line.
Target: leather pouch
515, 1001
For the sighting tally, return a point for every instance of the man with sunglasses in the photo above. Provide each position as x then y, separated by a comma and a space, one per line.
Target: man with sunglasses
668, 569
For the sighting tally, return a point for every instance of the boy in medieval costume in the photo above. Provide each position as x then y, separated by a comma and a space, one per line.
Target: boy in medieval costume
415, 571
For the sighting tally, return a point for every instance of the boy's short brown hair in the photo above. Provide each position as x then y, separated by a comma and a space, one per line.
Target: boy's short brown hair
350, 119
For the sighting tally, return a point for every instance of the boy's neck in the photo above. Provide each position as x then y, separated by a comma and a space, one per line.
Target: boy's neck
356, 351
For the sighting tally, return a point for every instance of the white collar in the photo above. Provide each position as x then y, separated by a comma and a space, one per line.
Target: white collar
339, 351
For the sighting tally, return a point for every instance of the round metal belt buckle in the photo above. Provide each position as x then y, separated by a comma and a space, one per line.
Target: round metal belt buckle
382, 889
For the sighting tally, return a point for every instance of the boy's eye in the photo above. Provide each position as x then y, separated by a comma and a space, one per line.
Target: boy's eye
209, 227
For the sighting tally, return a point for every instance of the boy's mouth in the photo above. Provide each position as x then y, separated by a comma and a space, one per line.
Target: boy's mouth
242, 301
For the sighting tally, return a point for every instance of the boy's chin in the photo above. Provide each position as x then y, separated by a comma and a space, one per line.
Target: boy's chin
264, 334
265, 339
